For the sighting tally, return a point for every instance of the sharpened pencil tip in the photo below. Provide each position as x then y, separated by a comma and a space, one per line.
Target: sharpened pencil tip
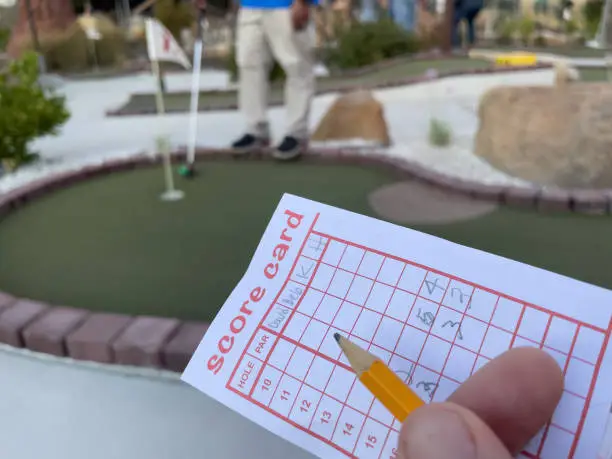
337, 337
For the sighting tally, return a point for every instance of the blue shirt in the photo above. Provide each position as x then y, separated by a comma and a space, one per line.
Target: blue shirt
265, 4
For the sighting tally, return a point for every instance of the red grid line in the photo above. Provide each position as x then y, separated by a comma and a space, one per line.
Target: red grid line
484, 337
543, 439
518, 326
453, 343
602, 351
248, 345
373, 335
547, 428
465, 314
429, 331
353, 327
459, 279
304, 331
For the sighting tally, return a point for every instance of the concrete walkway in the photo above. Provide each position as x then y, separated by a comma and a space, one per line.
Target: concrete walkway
58, 409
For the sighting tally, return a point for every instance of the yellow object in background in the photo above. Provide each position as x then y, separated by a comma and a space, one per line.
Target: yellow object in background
384, 384
516, 59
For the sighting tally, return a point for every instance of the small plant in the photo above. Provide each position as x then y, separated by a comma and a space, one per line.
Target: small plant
5, 35
505, 28
540, 41
439, 133
368, 43
591, 12
526, 27
175, 15
28, 111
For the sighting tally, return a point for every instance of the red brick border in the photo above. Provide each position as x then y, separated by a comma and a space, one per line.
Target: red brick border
168, 343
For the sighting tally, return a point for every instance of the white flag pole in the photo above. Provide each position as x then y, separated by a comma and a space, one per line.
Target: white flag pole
171, 194
189, 169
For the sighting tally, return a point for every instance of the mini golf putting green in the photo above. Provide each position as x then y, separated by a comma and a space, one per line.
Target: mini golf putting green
109, 244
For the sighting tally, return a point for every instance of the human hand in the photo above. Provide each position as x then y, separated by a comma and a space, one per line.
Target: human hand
492, 415
300, 14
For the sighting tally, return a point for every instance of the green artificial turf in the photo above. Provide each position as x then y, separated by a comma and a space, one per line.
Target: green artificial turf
109, 244
178, 102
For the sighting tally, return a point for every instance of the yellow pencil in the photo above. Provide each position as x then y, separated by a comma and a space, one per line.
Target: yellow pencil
384, 384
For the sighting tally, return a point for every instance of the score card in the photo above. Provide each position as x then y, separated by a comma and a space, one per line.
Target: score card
434, 311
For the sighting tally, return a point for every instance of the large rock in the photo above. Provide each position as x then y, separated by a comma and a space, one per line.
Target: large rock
560, 135
356, 115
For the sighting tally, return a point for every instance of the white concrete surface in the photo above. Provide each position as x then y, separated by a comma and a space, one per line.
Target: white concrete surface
58, 409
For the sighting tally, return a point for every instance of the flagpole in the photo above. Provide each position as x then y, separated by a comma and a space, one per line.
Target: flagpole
171, 193
189, 169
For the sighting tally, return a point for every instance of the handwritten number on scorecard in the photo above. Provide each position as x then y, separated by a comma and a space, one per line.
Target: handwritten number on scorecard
461, 294
291, 296
347, 428
393, 454
325, 417
426, 318
304, 271
318, 244
429, 387
432, 286
305, 406
453, 325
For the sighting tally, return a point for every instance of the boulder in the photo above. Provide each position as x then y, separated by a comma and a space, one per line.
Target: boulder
560, 135
355, 115
565, 73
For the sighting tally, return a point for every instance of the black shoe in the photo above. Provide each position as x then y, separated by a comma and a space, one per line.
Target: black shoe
289, 148
249, 142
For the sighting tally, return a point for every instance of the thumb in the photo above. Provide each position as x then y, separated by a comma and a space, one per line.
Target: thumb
446, 430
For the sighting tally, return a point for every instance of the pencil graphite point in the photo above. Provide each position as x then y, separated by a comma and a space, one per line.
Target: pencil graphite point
337, 337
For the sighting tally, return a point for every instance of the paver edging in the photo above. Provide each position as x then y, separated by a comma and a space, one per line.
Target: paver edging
167, 343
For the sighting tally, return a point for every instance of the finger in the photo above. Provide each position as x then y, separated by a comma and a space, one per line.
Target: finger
515, 394
445, 431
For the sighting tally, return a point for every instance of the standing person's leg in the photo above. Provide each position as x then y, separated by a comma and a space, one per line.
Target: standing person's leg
470, 18
253, 60
457, 17
294, 51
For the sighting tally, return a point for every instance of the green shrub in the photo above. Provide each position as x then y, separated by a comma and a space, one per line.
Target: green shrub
28, 111
111, 48
526, 27
175, 15
276, 72
571, 27
72, 51
505, 28
5, 35
591, 12
439, 133
66, 52
540, 41
368, 43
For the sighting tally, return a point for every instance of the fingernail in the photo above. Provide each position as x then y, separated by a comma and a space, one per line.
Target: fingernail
438, 434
